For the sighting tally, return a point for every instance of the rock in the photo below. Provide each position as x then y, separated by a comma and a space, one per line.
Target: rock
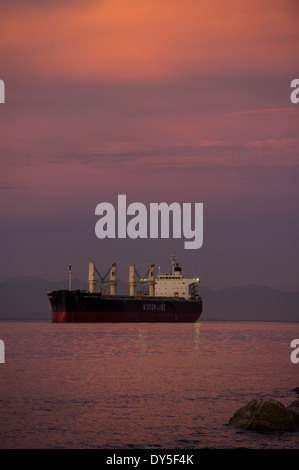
264, 416
294, 408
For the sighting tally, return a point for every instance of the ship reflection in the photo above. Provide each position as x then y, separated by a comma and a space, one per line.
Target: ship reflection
196, 336
142, 339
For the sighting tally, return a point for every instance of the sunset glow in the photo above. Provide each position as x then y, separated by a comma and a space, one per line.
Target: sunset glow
163, 101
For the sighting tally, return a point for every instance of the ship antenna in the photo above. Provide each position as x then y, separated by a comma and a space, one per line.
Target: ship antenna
70, 277
173, 258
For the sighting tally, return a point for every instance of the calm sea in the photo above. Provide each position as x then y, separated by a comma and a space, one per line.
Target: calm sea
136, 386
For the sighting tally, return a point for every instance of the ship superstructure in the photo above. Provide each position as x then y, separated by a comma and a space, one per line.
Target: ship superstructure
175, 284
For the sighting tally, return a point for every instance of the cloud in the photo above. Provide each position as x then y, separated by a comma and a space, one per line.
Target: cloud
162, 157
273, 143
148, 40
7, 187
264, 112
20, 5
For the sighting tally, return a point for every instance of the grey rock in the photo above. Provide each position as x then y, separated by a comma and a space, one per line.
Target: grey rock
263, 415
294, 408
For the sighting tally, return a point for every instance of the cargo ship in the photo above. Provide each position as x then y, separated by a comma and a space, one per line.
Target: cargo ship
167, 298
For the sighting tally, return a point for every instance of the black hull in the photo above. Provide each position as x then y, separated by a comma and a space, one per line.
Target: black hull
81, 307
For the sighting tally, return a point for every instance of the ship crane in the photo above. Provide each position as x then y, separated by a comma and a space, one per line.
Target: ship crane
92, 281
150, 281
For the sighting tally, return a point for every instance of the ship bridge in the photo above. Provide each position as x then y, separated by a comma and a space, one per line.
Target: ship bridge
175, 284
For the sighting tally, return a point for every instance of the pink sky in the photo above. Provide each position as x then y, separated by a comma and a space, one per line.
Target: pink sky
159, 100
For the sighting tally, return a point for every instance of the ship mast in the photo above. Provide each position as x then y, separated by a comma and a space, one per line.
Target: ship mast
70, 277
173, 260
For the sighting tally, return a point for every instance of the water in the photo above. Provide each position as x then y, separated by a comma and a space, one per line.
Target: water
122, 386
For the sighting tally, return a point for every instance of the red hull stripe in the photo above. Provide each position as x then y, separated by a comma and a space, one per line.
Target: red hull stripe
124, 317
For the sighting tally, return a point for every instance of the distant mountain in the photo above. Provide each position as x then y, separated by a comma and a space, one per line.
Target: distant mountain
25, 298
250, 303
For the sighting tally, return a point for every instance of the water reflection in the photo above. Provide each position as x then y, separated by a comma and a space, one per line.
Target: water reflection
138, 385
196, 335
161, 333
142, 338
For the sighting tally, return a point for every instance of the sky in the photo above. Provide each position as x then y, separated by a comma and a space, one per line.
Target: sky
160, 100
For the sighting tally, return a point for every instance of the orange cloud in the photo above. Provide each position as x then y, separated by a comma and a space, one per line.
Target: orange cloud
150, 39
